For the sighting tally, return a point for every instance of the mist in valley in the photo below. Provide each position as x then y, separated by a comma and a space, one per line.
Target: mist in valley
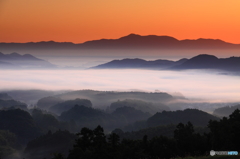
205, 89
85, 58
60, 101
193, 84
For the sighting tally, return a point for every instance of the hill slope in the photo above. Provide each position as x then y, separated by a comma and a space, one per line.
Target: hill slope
66, 105
205, 61
225, 111
17, 61
139, 63
196, 117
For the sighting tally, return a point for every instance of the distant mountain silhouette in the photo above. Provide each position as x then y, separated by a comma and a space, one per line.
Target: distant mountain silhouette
5, 96
195, 116
225, 111
140, 63
147, 107
131, 41
66, 105
202, 61
205, 61
15, 60
130, 114
134, 41
12, 104
105, 98
86, 116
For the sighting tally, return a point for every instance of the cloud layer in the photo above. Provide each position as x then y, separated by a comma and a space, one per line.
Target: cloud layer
192, 84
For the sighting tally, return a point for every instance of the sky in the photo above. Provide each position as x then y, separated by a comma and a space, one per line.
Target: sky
82, 20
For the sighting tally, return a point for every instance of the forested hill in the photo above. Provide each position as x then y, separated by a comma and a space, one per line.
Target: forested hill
226, 111
102, 99
195, 116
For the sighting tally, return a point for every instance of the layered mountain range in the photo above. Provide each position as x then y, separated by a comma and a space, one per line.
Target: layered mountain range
203, 61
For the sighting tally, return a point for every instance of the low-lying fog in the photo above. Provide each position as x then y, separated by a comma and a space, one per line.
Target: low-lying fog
193, 84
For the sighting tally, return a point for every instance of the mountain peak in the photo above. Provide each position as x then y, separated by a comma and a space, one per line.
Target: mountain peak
149, 38
205, 57
204, 61
130, 36
14, 54
204, 39
133, 35
29, 56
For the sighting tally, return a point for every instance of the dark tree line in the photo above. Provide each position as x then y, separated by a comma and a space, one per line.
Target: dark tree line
93, 144
223, 135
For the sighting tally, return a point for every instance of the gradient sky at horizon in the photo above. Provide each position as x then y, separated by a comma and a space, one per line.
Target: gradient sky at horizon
79, 21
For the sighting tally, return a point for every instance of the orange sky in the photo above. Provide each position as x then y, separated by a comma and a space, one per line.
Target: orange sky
81, 20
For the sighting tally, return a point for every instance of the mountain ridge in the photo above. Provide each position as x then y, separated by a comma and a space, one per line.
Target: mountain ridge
205, 61
202, 61
139, 63
18, 61
131, 41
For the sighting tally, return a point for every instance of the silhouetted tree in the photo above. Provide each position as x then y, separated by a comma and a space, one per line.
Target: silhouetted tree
224, 134
90, 144
58, 156
188, 142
